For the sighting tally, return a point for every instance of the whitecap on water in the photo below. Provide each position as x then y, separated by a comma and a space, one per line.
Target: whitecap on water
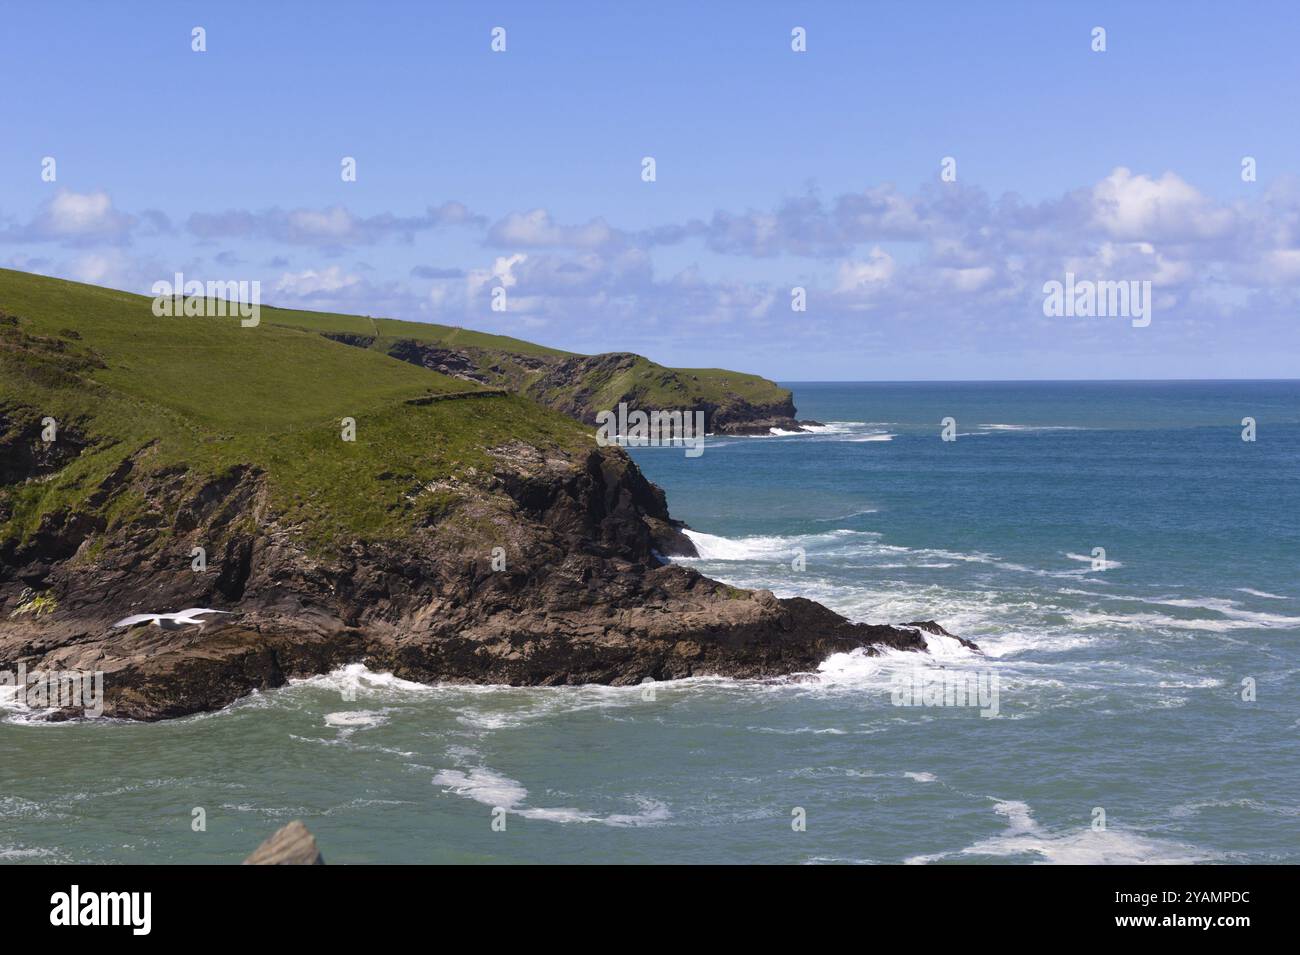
356, 719
1024, 837
772, 547
1097, 563
493, 789
1031, 427
1261, 593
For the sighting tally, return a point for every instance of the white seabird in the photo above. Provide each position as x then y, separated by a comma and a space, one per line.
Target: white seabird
169, 621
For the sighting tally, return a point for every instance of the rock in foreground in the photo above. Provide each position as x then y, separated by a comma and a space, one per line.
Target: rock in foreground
290, 845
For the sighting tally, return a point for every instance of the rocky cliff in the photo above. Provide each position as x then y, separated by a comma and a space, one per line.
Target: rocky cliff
482, 539
576, 594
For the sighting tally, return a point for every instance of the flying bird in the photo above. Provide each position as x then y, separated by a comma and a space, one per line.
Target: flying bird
170, 621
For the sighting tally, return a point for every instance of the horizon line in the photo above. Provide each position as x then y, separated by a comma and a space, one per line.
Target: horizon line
1013, 381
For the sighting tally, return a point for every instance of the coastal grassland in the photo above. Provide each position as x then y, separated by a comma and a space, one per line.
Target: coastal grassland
455, 337
600, 383
716, 384
203, 399
649, 385
391, 329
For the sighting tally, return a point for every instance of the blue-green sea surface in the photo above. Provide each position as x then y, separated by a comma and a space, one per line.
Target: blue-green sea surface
1126, 730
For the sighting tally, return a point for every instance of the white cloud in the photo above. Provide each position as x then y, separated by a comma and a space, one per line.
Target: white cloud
333, 226
501, 272
75, 218
1129, 206
536, 229
968, 280
312, 282
1281, 267
856, 275
72, 213
332, 223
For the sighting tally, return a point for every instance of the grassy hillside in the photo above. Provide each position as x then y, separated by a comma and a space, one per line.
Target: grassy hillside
192, 399
656, 386
391, 329
575, 384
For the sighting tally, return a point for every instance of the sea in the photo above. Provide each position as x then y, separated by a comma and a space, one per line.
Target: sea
1125, 561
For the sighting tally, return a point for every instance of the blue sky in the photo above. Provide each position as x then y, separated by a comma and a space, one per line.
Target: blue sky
775, 169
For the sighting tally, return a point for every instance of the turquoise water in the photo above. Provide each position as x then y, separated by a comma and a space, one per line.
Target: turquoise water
1120, 688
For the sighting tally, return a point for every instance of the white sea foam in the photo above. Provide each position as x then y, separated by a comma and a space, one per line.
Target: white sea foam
1105, 563
835, 427
847, 517
839, 425
1254, 805
1031, 427
493, 789
713, 547
1261, 593
1035, 634
15, 710
850, 431
357, 680
10, 853
356, 719
846, 543
482, 785
10, 703
1082, 846
1230, 619
855, 668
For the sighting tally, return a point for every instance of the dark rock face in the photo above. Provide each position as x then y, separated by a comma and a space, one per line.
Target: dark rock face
347, 338
24, 456
582, 596
447, 361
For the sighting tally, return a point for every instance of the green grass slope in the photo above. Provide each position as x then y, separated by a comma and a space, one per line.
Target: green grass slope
650, 385
455, 337
526, 367
203, 397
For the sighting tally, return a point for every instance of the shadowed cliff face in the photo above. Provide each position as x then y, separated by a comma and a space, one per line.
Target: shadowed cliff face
542, 572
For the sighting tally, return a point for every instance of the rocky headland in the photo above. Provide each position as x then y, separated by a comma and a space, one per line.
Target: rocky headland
481, 540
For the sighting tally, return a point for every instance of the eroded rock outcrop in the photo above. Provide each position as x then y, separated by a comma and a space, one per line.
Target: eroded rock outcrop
544, 571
